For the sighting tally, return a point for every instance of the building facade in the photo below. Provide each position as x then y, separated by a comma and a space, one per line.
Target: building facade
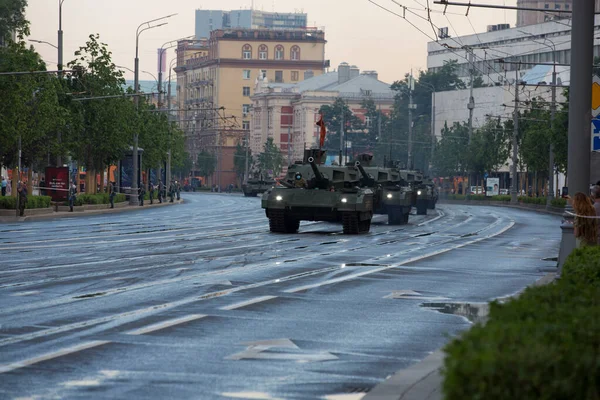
210, 20
215, 89
528, 17
288, 112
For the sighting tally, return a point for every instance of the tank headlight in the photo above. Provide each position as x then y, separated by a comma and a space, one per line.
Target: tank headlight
419, 192
344, 200
278, 198
389, 196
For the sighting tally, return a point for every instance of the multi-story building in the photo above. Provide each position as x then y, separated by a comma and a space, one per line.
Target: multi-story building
214, 89
210, 20
529, 17
288, 112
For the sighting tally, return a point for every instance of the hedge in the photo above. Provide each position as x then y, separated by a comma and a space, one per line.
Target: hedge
545, 344
8, 202
559, 203
101, 198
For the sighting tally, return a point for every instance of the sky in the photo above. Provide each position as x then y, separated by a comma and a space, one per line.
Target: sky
357, 31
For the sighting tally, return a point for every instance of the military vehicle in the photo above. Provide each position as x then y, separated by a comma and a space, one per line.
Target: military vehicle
422, 190
392, 195
257, 185
312, 192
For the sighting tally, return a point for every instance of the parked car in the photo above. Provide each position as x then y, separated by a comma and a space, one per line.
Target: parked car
504, 192
476, 190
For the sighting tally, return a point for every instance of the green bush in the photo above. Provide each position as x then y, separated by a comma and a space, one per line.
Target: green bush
503, 197
38, 201
532, 200
8, 202
542, 345
559, 203
100, 198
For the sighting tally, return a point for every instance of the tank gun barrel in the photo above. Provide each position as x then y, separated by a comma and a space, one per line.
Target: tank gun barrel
318, 175
362, 170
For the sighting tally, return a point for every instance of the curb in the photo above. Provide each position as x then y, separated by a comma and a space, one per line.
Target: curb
543, 210
423, 380
83, 213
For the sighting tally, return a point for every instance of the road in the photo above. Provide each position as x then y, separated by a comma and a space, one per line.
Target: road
200, 300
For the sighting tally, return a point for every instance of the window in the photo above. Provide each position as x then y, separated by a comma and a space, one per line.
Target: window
263, 52
245, 109
246, 74
295, 76
263, 73
368, 122
546, 5
279, 76
566, 6
557, 6
295, 53
245, 125
279, 52
247, 52
246, 90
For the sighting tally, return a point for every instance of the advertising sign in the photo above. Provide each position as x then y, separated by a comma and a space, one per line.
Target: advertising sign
492, 187
596, 114
57, 183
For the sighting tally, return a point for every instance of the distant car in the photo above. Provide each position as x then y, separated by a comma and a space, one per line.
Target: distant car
476, 190
504, 191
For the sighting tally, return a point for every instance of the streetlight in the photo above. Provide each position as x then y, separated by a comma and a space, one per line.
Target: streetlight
168, 177
43, 41
432, 87
60, 36
141, 28
164, 47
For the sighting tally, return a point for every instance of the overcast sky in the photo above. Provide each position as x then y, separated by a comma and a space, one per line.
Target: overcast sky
357, 31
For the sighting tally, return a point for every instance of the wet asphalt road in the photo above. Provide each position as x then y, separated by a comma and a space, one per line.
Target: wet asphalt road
200, 301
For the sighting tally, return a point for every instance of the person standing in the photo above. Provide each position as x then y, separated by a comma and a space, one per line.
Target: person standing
111, 194
178, 190
171, 192
585, 223
161, 189
4, 184
142, 193
151, 191
72, 196
22, 190
42, 186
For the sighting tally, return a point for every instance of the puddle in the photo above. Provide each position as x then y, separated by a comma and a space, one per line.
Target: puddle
424, 234
550, 259
366, 265
289, 261
324, 243
474, 312
90, 295
300, 248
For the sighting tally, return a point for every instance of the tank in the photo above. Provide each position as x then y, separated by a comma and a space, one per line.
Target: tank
424, 195
257, 185
392, 194
312, 192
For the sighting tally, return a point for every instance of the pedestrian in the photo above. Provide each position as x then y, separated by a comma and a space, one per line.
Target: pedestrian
178, 190
111, 194
151, 190
171, 191
72, 196
161, 188
597, 207
42, 186
141, 193
22, 190
585, 223
4, 184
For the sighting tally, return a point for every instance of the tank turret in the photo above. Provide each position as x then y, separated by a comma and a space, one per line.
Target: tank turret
319, 181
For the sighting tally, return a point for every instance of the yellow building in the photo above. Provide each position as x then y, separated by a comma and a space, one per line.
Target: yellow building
214, 89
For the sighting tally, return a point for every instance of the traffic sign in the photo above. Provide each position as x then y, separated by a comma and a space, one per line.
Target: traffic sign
596, 96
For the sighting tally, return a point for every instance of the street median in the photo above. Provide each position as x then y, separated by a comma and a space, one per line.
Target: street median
524, 203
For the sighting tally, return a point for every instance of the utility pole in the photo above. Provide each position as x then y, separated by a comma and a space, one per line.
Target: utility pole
246, 166
550, 194
513, 183
411, 85
379, 125
341, 136
288, 146
168, 177
432, 131
471, 107
18, 176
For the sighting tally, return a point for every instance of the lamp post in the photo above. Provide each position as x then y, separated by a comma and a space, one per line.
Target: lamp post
141, 28
43, 41
60, 37
168, 178
430, 86
168, 45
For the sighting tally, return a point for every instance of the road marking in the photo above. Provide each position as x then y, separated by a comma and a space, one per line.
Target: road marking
440, 215
410, 260
49, 356
165, 324
247, 302
255, 351
32, 292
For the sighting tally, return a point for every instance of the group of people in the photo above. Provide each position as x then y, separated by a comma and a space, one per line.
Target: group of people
174, 191
587, 217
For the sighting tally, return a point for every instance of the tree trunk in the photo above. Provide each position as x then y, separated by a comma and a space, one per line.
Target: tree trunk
147, 179
77, 183
30, 181
102, 175
13, 182
535, 184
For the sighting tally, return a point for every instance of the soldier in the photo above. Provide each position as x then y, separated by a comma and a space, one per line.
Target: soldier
178, 190
161, 189
300, 182
22, 190
141, 192
111, 194
172, 192
151, 190
72, 196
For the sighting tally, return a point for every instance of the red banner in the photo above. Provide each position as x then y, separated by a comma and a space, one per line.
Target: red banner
323, 132
57, 183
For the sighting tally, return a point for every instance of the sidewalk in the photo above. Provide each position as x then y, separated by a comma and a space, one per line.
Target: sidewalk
423, 381
83, 213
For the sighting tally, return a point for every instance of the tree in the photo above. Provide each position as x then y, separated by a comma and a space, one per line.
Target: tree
12, 19
206, 163
270, 159
488, 150
451, 151
239, 161
332, 115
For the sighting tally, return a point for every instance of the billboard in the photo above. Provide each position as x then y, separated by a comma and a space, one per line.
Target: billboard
57, 183
492, 187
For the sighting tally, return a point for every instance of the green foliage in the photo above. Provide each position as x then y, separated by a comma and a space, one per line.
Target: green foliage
532, 200
542, 345
12, 19
451, 151
239, 160
270, 159
488, 150
206, 163
332, 115
38, 201
559, 203
100, 198
8, 202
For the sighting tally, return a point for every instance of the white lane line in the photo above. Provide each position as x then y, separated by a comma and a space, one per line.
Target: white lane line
440, 215
410, 260
247, 302
165, 324
49, 356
